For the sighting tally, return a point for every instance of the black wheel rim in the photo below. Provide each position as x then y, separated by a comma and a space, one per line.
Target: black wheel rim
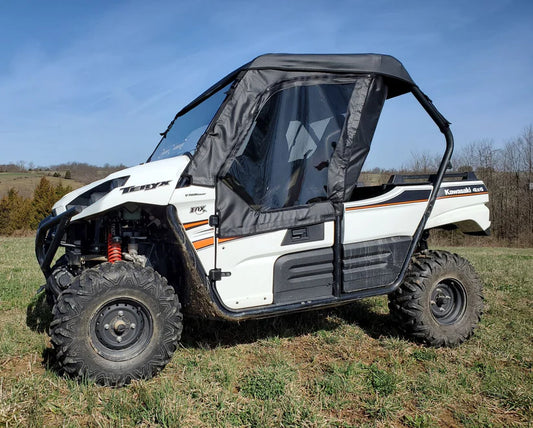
121, 329
448, 301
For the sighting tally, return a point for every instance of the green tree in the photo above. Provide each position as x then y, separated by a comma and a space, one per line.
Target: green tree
15, 213
5, 228
44, 197
61, 191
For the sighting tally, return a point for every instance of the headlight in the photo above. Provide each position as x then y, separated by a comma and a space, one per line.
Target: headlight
118, 182
91, 196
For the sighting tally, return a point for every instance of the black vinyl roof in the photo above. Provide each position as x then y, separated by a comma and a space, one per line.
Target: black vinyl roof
385, 65
395, 74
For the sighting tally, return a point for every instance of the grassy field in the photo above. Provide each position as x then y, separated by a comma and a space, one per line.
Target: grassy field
343, 367
26, 182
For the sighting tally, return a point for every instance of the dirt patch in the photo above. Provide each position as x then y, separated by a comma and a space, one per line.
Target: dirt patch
14, 367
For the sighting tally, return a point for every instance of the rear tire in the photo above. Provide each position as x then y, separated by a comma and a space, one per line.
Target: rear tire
440, 301
115, 323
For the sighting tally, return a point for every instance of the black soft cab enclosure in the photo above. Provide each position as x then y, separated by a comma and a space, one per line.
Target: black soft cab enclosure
325, 108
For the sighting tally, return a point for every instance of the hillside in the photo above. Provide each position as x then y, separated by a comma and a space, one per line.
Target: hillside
25, 182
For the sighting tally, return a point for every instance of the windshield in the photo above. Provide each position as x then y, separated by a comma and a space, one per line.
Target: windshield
184, 133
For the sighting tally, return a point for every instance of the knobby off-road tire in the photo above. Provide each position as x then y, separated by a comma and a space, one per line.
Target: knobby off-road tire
59, 280
440, 301
115, 323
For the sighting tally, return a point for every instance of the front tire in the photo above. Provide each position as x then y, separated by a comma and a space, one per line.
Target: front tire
59, 280
115, 323
440, 301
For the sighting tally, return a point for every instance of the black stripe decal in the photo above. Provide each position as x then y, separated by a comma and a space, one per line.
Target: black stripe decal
404, 197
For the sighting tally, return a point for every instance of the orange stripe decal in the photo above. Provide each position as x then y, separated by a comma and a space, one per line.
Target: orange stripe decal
202, 243
463, 194
385, 205
221, 240
188, 226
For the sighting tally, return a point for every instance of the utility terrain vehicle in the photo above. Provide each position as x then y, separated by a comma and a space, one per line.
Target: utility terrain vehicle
251, 206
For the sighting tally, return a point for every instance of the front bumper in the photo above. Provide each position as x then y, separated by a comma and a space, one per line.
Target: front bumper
49, 235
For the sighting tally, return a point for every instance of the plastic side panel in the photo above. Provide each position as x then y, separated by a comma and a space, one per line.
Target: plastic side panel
251, 259
194, 205
203, 242
374, 263
395, 213
466, 210
382, 222
303, 276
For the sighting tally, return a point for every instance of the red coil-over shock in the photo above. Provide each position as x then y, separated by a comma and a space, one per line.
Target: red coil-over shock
114, 248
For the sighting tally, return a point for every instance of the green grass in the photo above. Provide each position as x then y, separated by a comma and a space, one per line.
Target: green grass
338, 368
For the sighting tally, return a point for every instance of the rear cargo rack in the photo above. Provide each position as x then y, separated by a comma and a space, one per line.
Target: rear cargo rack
430, 178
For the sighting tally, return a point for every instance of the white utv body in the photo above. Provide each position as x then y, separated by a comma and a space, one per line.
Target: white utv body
250, 207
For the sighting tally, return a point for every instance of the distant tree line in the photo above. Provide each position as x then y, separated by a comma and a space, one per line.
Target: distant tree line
19, 214
85, 173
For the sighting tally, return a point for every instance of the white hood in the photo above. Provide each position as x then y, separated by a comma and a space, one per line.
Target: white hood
149, 183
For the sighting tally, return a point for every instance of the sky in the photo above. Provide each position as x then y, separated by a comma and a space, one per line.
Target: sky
97, 81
